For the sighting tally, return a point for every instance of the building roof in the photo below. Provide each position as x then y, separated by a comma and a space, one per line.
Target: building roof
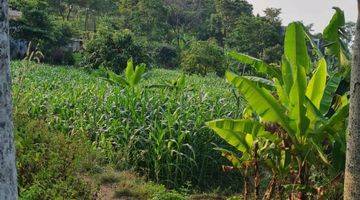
14, 14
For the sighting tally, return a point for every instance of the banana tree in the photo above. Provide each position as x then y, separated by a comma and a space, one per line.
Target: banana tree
334, 35
256, 145
295, 110
133, 75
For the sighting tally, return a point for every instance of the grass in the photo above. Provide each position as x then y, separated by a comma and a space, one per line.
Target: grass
158, 132
128, 185
49, 162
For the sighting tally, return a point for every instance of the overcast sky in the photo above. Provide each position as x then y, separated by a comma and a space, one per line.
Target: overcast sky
318, 12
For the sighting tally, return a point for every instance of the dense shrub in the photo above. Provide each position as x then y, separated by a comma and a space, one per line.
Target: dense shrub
167, 56
251, 35
203, 57
48, 162
38, 27
112, 50
35, 23
61, 56
272, 54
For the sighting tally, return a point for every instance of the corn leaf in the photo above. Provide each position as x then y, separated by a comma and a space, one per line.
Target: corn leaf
129, 71
139, 71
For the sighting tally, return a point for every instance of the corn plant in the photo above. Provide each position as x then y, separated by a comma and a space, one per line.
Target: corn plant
33, 54
178, 84
159, 133
287, 126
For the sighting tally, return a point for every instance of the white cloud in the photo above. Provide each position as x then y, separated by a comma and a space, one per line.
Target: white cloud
318, 12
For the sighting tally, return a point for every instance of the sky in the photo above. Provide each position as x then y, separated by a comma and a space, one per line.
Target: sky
318, 12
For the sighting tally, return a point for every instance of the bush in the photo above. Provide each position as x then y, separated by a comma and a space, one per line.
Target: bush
60, 56
167, 56
56, 50
49, 162
50, 36
251, 35
203, 57
112, 50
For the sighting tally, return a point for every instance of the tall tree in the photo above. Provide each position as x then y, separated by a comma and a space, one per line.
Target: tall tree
146, 18
189, 17
252, 35
352, 171
8, 180
227, 12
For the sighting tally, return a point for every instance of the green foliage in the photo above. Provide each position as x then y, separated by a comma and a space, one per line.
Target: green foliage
167, 56
35, 24
254, 35
48, 162
188, 18
227, 12
112, 50
145, 17
155, 22
132, 75
260, 66
333, 35
178, 84
157, 132
38, 26
286, 127
202, 58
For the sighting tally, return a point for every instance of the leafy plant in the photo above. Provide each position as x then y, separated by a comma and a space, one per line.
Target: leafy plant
203, 57
113, 50
334, 35
177, 84
167, 56
158, 132
49, 163
133, 75
288, 128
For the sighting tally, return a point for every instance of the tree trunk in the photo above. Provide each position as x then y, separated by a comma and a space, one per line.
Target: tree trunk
86, 18
69, 12
352, 171
8, 181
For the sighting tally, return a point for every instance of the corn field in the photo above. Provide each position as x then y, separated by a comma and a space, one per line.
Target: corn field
157, 131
